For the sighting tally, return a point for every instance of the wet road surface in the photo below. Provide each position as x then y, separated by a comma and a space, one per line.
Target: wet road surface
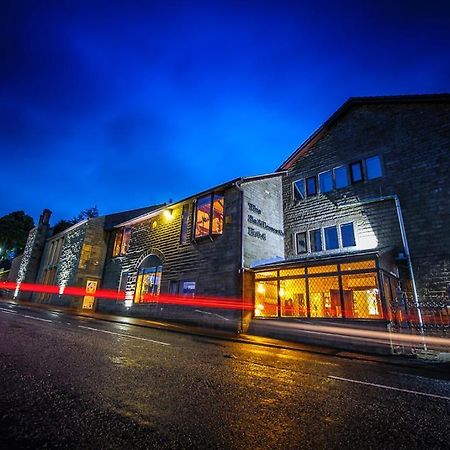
73, 382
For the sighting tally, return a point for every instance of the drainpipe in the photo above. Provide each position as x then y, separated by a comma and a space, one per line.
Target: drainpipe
238, 186
404, 241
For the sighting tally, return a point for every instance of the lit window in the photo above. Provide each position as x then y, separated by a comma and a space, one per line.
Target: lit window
311, 186
315, 239
340, 177
348, 235
356, 173
326, 181
298, 188
209, 215
373, 167
184, 224
300, 242
187, 288
331, 238
121, 242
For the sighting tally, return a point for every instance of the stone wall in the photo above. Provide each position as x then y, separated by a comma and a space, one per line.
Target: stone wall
413, 140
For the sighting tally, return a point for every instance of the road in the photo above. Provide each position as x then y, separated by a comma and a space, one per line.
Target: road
73, 382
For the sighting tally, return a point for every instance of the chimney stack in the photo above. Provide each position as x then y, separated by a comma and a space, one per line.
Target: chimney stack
44, 219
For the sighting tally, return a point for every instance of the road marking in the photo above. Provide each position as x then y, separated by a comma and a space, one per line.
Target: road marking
124, 335
38, 318
7, 311
382, 386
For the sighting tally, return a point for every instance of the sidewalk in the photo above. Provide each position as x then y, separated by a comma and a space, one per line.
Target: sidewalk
247, 338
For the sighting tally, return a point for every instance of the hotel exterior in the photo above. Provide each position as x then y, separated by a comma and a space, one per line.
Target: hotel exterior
353, 226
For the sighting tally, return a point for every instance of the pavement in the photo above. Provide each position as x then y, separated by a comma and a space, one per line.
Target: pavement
261, 335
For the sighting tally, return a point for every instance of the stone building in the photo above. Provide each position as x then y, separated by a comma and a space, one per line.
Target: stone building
354, 225
202, 246
366, 203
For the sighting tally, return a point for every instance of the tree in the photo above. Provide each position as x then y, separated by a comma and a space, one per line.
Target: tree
14, 229
63, 224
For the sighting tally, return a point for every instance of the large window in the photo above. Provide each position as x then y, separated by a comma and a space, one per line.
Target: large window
373, 167
209, 215
356, 173
340, 177
348, 235
148, 281
326, 181
121, 242
315, 239
311, 186
331, 238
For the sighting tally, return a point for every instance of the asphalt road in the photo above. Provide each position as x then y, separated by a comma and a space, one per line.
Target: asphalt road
72, 382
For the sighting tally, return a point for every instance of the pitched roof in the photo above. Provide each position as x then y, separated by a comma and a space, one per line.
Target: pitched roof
352, 101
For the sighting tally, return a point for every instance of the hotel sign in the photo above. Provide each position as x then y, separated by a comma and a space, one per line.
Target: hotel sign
261, 224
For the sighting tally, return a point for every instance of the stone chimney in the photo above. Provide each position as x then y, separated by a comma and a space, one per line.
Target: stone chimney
44, 219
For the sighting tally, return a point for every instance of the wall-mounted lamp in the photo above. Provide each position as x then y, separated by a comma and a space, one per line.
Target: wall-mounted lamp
168, 214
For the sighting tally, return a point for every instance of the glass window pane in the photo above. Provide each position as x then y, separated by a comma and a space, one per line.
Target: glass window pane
125, 241
373, 167
296, 271
260, 275
361, 296
326, 181
356, 173
217, 223
299, 189
293, 298
315, 239
322, 269
348, 235
324, 297
311, 186
340, 177
202, 216
184, 224
331, 238
117, 243
300, 240
370, 264
266, 299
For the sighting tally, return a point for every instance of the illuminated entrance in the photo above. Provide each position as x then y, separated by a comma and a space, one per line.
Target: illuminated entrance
148, 283
344, 290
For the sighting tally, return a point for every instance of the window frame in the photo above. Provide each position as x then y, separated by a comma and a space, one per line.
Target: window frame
330, 227
330, 171
354, 235
380, 165
294, 189
121, 233
314, 177
361, 166
344, 166
210, 233
311, 250
296, 242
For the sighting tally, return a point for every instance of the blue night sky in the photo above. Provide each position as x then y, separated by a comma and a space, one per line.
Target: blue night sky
126, 104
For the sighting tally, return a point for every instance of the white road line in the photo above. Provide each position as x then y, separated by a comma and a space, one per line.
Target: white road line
7, 311
38, 318
124, 335
382, 386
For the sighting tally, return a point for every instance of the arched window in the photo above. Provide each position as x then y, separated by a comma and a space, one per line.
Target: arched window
148, 283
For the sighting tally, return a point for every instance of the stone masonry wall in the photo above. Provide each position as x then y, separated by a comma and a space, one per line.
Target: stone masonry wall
413, 140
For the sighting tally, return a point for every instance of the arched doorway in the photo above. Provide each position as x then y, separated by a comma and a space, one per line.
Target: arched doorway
148, 283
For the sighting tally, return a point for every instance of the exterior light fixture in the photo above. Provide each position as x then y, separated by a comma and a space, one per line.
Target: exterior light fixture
168, 214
